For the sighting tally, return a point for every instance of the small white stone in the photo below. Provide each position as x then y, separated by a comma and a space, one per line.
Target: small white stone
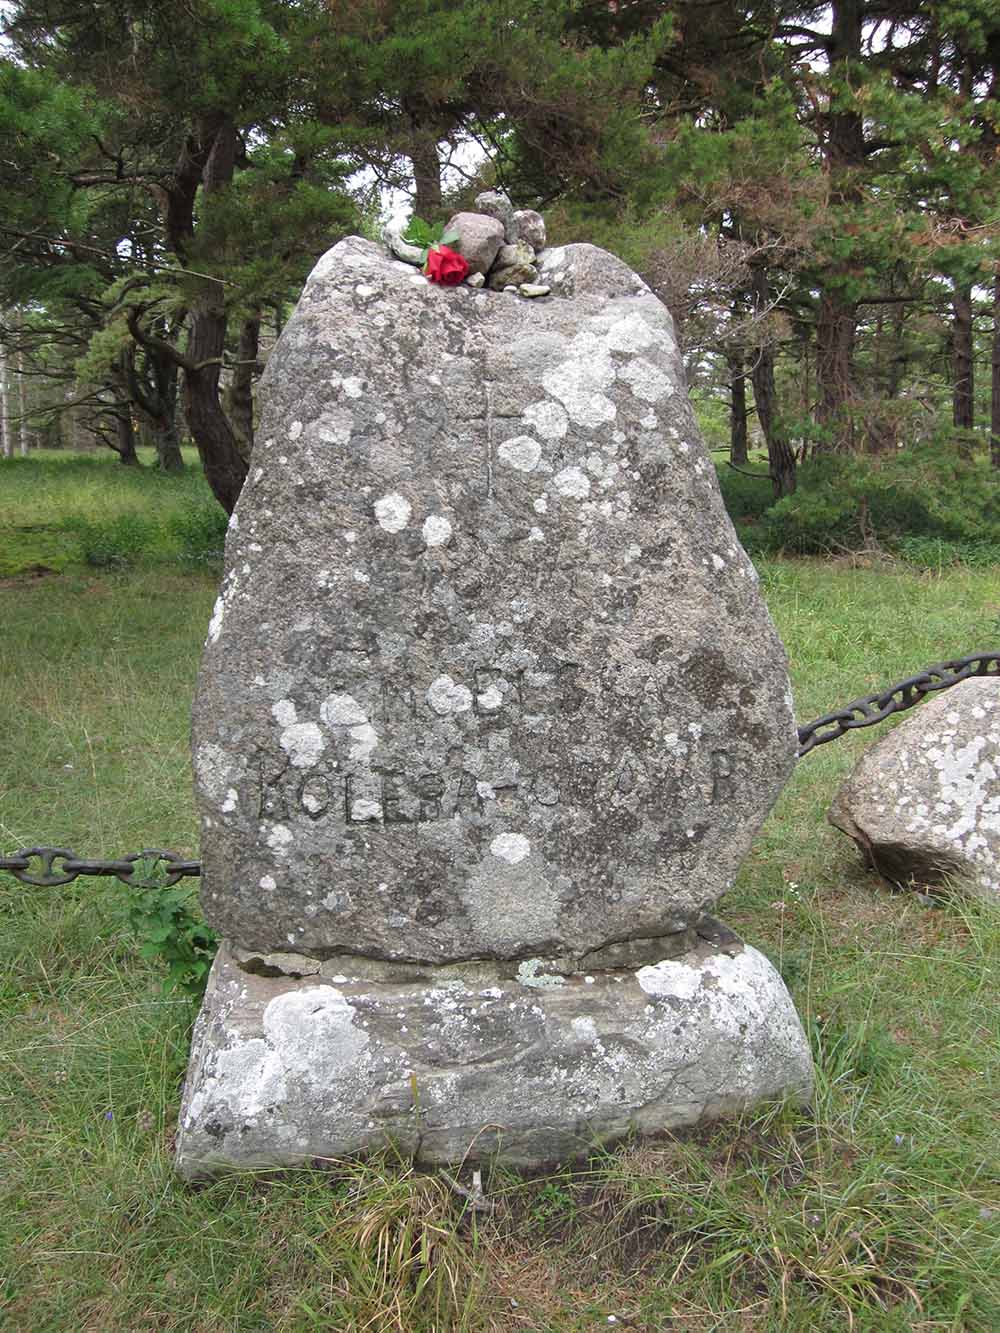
268, 882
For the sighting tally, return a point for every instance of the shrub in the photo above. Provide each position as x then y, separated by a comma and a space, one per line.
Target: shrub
200, 529
113, 543
925, 504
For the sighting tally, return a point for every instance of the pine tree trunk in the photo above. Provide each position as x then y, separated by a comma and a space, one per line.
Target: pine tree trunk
126, 440
897, 353
845, 156
737, 406
218, 446
239, 398
164, 426
836, 329
995, 378
780, 458
22, 401
426, 164
6, 439
962, 413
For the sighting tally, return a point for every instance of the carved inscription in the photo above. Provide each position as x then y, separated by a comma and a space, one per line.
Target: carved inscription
392, 797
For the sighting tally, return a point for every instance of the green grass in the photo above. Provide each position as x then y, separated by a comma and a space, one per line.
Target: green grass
879, 1208
63, 510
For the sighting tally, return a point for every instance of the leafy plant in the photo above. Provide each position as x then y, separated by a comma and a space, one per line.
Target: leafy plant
171, 929
200, 528
113, 543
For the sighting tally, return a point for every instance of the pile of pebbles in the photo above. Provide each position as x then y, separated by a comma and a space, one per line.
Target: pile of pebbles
499, 243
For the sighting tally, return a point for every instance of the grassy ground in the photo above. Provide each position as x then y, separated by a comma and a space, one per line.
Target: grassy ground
877, 1209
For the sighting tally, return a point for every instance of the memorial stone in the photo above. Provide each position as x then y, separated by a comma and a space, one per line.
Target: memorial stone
489, 713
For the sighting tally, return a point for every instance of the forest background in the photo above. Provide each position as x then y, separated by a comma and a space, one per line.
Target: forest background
814, 191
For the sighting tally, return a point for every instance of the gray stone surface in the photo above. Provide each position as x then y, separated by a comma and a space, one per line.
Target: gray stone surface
510, 255
289, 1070
582, 270
923, 803
489, 675
393, 237
496, 204
531, 227
513, 275
479, 239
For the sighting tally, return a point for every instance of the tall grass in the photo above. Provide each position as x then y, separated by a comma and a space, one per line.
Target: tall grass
879, 1208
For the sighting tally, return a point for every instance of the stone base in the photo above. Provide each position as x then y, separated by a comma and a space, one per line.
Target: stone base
288, 1069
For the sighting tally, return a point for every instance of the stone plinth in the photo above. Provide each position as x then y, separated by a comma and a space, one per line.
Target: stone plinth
472, 1066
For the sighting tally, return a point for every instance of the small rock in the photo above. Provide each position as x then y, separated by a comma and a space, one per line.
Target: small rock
392, 235
531, 227
511, 276
479, 239
534, 289
496, 204
921, 803
508, 256
476, 280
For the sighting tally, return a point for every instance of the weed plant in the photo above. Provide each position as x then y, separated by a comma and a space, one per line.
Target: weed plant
877, 1208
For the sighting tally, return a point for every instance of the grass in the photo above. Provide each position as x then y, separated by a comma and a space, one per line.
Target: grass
60, 510
879, 1208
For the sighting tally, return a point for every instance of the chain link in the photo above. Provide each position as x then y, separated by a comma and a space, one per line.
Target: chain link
58, 865
896, 699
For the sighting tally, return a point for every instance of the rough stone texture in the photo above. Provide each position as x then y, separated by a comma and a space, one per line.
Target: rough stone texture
923, 803
531, 227
393, 237
496, 204
479, 239
518, 253
513, 275
582, 270
534, 1071
489, 675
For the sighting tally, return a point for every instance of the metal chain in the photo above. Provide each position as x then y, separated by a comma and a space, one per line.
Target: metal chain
896, 699
58, 865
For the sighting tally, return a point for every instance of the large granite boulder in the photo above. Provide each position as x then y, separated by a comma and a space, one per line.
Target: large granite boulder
923, 803
489, 712
490, 675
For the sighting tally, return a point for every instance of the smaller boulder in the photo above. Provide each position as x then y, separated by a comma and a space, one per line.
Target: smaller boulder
479, 239
496, 204
531, 228
923, 803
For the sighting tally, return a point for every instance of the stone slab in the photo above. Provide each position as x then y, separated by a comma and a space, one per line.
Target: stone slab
295, 1070
923, 802
490, 675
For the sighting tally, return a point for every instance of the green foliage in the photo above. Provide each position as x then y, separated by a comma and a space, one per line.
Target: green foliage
200, 530
171, 930
918, 503
113, 543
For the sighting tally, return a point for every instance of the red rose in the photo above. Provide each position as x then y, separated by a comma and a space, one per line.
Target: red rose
445, 266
